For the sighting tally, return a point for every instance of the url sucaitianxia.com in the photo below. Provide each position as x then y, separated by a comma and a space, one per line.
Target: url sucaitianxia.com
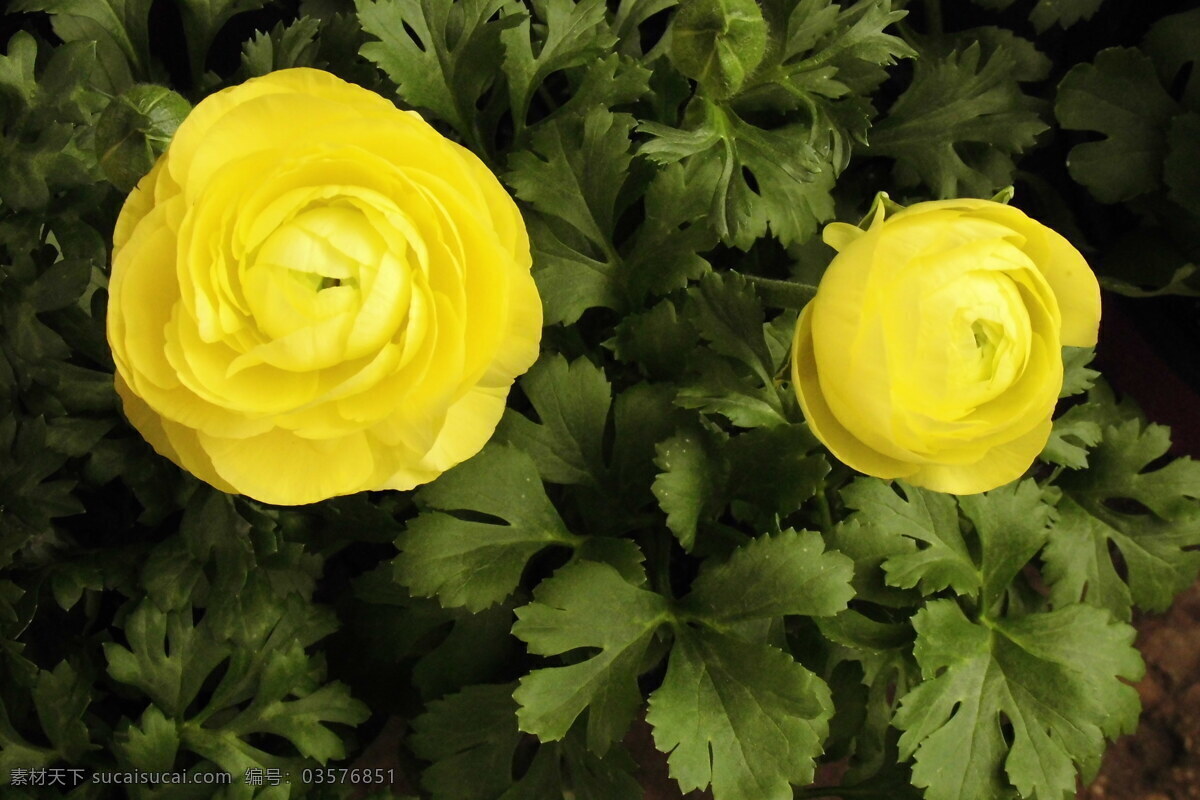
70, 777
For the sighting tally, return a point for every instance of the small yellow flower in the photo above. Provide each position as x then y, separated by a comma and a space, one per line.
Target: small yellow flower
932, 351
314, 293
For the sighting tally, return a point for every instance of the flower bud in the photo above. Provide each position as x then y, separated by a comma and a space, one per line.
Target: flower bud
135, 129
718, 43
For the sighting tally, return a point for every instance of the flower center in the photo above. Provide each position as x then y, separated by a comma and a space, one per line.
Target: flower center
310, 268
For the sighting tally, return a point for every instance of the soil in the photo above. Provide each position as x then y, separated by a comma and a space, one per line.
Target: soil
1161, 760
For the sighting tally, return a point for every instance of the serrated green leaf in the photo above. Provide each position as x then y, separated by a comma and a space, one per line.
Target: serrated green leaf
121, 23
727, 313
653, 339
788, 573
1055, 677
477, 648
572, 177
1064, 13
830, 57
1077, 377
285, 46
1078, 565
451, 61
664, 253
570, 34
150, 745
959, 124
743, 717
691, 486
1156, 534
590, 605
1118, 95
921, 516
776, 468
202, 19
1011, 523
792, 177
472, 739
572, 402
61, 698
465, 562
1074, 433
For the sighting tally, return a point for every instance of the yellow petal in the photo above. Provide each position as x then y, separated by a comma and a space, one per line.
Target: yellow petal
281, 468
1000, 465
821, 419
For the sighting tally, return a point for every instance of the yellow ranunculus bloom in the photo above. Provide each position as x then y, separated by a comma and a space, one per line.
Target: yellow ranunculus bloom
314, 293
932, 351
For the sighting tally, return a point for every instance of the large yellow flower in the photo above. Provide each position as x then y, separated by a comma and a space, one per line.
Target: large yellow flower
314, 293
932, 350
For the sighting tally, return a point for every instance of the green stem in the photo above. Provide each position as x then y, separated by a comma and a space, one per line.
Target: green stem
825, 512
783, 294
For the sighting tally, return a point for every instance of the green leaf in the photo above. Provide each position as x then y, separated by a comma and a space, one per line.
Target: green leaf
1180, 171
1073, 434
586, 604
61, 698
735, 377
1170, 42
471, 563
202, 19
959, 124
788, 573
572, 403
17, 74
653, 340
472, 739
286, 46
570, 34
45, 125
664, 252
743, 717
151, 745
920, 516
1079, 567
1151, 516
1064, 13
1077, 377
1055, 677
776, 468
691, 486
1119, 95
1012, 526
572, 177
123, 24
451, 61
792, 176
727, 312
830, 57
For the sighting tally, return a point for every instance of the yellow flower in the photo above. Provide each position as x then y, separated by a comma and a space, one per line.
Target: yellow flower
932, 351
314, 293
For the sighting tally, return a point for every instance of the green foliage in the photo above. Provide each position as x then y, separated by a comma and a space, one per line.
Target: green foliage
1120, 97
1150, 516
654, 541
1055, 678
472, 740
586, 605
960, 123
